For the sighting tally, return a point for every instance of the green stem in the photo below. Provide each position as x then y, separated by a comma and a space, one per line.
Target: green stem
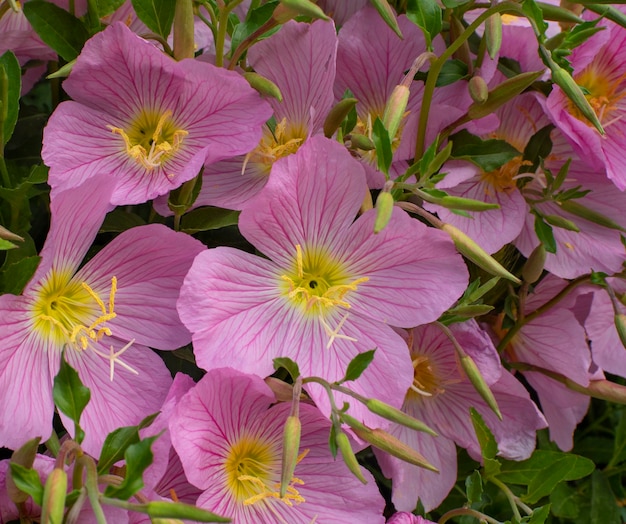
437, 65
243, 46
93, 491
221, 31
509, 495
460, 512
53, 444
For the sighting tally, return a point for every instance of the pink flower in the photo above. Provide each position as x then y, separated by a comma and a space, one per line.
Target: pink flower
330, 288
103, 314
403, 517
145, 120
441, 395
300, 60
228, 433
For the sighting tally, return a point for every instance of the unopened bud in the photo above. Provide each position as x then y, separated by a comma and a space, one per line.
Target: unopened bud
263, 85
475, 310
54, 494
399, 417
620, 325
472, 251
337, 114
384, 210
477, 380
362, 142
575, 208
395, 109
63, 71
289, 9
563, 223
502, 93
388, 443
8, 235
343, 443
478, 89
573, 91
388, 15
534, 265
466, 204
493, 34
291, 446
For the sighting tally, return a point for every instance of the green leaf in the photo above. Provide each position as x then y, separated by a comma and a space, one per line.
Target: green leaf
118, 441
384, 154
59, 29
207, 218
619, 446
539, 515
489, 154
538, 147
474, 487
15, 276
488, 444
565, 501
158, 15
291, 367
120, 220
9, 69
535, 15
545, 234
358, 365
5, 245
254, 20
70, 395
426, 14
332, 441
106, 7
138, 457
28, 481
452, 71
604, 508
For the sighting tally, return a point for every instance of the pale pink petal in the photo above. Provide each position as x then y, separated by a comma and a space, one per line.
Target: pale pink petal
150, 263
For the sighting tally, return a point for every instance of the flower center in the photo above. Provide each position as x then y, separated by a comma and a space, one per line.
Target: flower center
253, 473
426, 381
151, 138
69, 313
603, 94
318, 284
283, 141
504, 178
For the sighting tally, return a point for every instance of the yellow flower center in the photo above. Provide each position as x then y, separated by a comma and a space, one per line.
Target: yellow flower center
69, 313
319, 284
603, 92
252, 469
283, 141
426, 381
151, 138
504, 178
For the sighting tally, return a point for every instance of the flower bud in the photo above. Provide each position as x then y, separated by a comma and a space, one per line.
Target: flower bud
575, 208
343, 443
54, 494
291, 446
478, 89
573, 91
563, 223
493, 34
477, 380
472, 251
362, 142
263, 85
475, 310
5, 234
289, 9
395, 109
384, 210
337, 114
388, 443
184, 45
399, 417
620, 325
534, 265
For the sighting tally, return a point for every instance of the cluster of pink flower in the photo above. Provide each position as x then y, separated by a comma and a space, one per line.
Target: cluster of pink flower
327, 287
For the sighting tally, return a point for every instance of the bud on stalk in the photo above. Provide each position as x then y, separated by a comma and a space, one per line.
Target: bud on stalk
54, 494
343, 443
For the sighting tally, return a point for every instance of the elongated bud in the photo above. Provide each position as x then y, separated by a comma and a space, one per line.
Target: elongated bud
620, 325
291, 446
388, 15
399, 417
8, 235
24, 456
289, 9
184, 45
573, 91
463, 53
575, 208
477, 380
384, 210
168, 510
166, 521
63, 71
343, 443
476, 310
54, 494
466, 204
563, 223
471, 250
478, 89
386, 442
502, 93
337, 114
493, 34
534, 265
362, 142
263, 85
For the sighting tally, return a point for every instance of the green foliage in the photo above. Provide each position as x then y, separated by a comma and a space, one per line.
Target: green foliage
138, 457
426, 14
70, 395
384, 153
358, 365
253, 22
291, 367
10, 86
207, 218
28, 481
158, 15
63, 32
489, 154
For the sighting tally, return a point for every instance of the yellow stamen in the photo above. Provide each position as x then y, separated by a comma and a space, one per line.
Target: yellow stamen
283, 141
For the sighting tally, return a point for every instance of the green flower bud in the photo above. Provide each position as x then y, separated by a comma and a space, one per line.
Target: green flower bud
563, 223
54, 494
620, 325
263, 85
291, 446
471, 250
395, 109
478, 89
576, 208
493, 34
534, 265
477, 380
337, 114
395, 415
289, 9
384, 210
362, 142
343, 443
